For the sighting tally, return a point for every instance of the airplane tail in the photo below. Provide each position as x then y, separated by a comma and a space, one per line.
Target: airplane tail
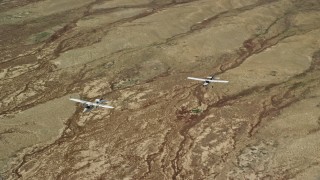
205, 83
101, 100
212, 77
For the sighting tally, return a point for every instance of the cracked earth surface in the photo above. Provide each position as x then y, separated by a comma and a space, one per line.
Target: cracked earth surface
264, 124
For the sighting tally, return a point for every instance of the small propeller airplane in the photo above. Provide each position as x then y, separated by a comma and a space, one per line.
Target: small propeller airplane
88, 106
210, 79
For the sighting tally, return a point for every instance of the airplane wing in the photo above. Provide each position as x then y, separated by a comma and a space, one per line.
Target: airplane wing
197, 79
102, 105
78, 100
105, 106
219, 81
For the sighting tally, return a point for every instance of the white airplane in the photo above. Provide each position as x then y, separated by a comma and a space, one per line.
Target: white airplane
210, 79
88, 106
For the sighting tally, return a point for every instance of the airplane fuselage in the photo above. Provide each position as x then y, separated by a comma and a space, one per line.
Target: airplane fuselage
87, 107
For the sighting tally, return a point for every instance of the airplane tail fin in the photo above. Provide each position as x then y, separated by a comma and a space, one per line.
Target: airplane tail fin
205, 83
101, 100
212, 77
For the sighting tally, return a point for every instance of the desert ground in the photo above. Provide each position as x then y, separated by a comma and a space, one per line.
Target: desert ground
263, 124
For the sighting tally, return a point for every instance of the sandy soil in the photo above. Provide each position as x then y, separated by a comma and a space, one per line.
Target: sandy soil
264, 124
